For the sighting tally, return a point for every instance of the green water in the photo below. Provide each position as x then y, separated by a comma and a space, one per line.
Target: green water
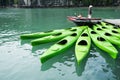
20, 61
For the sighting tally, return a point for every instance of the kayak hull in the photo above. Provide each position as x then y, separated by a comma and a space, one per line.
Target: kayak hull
61, 45
82, 46
103, 44
40, 34
112, 31
113, 39
53, 37
110, 26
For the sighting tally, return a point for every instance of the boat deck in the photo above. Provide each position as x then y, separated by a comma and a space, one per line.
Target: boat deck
113, 21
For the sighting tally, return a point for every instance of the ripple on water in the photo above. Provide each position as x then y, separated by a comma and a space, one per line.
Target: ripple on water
98, 67
39, 52
67, 63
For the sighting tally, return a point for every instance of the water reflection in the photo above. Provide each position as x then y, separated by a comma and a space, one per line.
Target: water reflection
80, 68
66, 58
105, 64
27, 41
96, 63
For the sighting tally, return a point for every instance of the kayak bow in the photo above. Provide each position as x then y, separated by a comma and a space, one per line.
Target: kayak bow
61, 45
82, 46
53, 37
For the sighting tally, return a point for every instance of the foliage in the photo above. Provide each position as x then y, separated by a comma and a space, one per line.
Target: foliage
15, 1
63, 2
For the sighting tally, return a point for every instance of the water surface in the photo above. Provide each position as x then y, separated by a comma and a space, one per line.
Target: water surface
20, 61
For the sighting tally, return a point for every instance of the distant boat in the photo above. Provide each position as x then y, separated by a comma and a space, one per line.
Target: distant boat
83, 20
79, 20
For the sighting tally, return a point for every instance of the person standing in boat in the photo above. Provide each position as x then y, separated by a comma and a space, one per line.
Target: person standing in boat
90, 11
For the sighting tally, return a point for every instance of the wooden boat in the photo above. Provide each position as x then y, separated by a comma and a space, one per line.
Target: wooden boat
83, 20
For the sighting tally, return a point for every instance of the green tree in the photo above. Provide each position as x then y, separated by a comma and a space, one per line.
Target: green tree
15, 1
86, 2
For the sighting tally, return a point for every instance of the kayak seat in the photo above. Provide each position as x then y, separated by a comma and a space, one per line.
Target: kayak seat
48, 31
93, 32
84, 34
73, 30
63, 42
100, 39
114, 31
107, 34
115, 27
82, 42
99, 29
57, 34
74, 34
118, 26
104, 27
98, 22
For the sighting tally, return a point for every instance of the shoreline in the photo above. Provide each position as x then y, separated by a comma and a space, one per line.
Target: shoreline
58, 7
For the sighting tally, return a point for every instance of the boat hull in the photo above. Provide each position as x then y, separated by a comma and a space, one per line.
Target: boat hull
40, 34
83, 21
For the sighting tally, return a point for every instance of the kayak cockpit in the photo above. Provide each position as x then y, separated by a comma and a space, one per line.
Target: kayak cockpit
100, 39
93, 32
107, 34
84, 34
99, 29
74, 34
63, 42
82, 42
73, 30
104, 27
57, 34
115, 31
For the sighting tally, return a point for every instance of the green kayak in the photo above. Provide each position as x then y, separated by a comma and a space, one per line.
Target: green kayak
61, 45
53, 37
103, 44
82, 46
110, 26
111, 31
105, 24
41, 34
113, 39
